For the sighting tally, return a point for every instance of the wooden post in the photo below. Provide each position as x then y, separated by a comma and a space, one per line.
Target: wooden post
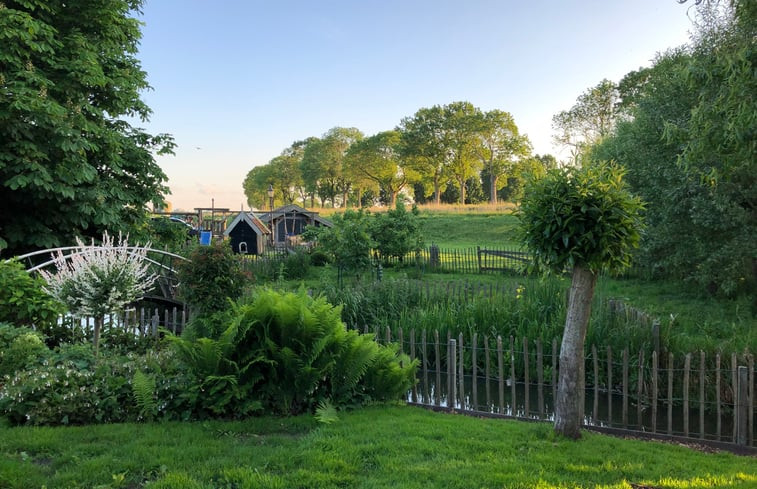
701, 395
686, 374
734, 387
488, 373
452, 373
414, 395
554, 372
540, 378
654, 391
388, 335
670, 393
640, 391
142, 328
609, 385
426, 398
656, 335
512, 377
401, 340
624, 416
501, 376
740, 419
438, 386
175, 318
526, 379
165, 316
750, 400
474, 371
595, 359
718, 413
461, 372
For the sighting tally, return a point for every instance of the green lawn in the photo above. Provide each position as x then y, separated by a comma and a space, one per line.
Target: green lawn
376, 447
470, 229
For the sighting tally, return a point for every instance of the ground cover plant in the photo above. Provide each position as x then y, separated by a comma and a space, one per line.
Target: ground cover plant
377, 447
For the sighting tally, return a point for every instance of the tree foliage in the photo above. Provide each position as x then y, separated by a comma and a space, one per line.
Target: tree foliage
69, 163
689, 149
396, 232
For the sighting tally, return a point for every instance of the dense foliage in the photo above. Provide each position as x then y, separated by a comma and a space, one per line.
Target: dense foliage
286, 353
689, 149
581, 217
397, 232
23, 300
68, 78
210, 278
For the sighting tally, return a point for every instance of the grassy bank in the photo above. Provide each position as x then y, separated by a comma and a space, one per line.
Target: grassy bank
377, 447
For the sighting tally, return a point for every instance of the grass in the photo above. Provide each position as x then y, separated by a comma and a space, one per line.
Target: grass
376, 447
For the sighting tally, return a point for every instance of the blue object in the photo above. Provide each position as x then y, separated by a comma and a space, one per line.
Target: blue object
205, 238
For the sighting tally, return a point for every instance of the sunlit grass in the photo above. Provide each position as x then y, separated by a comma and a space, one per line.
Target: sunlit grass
376, 447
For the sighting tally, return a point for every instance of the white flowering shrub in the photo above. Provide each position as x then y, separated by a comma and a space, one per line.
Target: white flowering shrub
96, 280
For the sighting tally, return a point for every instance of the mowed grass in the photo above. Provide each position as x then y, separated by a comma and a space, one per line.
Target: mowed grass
376, 447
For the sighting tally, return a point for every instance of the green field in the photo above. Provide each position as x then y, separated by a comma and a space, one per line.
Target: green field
375, 447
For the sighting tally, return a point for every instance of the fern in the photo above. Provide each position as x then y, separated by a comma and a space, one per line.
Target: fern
326, 413
143, 388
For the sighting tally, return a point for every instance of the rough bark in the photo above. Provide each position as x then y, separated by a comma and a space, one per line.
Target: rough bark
569, 409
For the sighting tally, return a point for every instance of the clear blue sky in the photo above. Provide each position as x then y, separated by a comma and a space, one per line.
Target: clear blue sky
238, 81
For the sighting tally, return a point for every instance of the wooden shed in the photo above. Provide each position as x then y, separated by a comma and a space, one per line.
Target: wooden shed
247, 234
290, 220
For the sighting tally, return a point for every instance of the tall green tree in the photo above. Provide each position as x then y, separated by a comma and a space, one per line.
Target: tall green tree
70, 164
424, 148
585, 220
323, 165
500, 146
689, 149
461, 138
591, 119
378, 158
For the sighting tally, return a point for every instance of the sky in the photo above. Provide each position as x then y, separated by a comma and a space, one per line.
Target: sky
238, 81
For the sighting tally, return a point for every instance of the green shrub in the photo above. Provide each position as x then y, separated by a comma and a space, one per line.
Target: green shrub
23, 301
19, 348
290, 352
319, 258
74, 387
212, 277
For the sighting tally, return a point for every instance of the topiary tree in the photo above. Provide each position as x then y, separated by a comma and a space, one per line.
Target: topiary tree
585, 220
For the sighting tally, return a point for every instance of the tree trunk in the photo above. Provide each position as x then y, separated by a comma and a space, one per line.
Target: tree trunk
462, 191
437, 193
96, 334
493, 188
569, 405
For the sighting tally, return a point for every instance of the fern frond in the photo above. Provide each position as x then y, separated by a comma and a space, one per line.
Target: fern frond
143, 388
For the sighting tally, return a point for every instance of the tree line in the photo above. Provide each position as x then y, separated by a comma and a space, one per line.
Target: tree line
451, 153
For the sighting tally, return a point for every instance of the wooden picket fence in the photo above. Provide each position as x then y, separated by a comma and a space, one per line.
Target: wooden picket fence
142, 322
682, 397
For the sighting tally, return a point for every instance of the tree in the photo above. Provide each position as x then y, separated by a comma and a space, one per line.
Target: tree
378, 159
689, 151
461, 141
256, 184
95, 280
591, 119
348, 241
500, 146
423, 147
585, 220
397, 232
323, 163
68, 75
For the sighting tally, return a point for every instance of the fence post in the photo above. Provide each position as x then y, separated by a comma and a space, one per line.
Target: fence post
412, 358
740, 420
438, 386
526, 379
474, 373
451, 374
461, 373
501, 377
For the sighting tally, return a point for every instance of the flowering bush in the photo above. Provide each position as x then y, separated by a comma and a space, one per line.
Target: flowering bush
99, 280
74, 387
